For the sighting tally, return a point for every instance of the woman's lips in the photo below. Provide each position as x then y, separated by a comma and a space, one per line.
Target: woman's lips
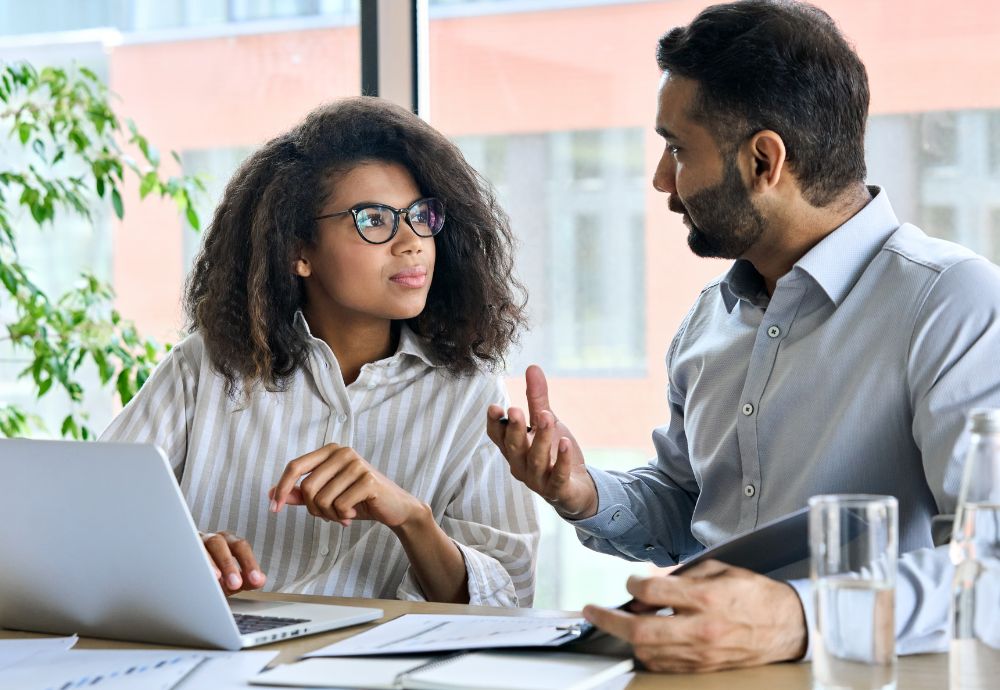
415, 277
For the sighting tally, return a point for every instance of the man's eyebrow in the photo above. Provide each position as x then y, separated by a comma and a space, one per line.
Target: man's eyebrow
666, 133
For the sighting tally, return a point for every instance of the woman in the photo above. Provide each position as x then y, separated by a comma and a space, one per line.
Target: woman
353, 292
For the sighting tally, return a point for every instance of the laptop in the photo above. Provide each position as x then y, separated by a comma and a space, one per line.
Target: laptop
96, 539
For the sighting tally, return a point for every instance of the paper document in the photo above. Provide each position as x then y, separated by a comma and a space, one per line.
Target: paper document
540, 670
416, 633
226, 671
132, 669
364, 674
103, 669
16, 651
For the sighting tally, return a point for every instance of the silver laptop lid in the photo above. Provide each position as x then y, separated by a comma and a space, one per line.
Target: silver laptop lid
95, 539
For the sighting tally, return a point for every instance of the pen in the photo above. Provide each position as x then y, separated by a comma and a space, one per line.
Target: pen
505, 422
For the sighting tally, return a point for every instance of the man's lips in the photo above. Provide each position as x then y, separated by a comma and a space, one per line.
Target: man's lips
413, 277
675, 205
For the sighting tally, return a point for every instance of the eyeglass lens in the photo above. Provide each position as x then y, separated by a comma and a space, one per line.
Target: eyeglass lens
377, 223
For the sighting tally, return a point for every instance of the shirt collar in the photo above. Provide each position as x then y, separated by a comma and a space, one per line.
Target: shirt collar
410, 344
841, 257
835, 264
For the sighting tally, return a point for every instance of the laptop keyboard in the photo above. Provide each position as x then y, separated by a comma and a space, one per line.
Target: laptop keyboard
250, 624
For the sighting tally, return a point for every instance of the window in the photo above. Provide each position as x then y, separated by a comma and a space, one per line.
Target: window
576, 204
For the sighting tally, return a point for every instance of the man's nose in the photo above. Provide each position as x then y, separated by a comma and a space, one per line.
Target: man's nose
664, 176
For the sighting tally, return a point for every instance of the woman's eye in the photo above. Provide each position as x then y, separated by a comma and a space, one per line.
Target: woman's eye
372, 220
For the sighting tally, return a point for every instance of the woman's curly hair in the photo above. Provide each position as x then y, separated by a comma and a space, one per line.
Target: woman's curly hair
242, 294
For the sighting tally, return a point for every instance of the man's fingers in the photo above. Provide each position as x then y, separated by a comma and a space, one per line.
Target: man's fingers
494, 428
707, 569
295, 469
612, 621
677, 592
539, 457
537, 392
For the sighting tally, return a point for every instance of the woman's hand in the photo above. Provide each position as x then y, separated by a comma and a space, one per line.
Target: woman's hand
235, 566
341, 486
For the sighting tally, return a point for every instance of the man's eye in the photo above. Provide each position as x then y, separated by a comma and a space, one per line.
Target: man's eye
674, 150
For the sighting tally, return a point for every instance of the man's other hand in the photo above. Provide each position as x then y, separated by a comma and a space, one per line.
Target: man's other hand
542, 452
724, 617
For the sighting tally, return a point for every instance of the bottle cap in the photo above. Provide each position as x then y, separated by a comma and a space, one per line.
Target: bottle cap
985, 421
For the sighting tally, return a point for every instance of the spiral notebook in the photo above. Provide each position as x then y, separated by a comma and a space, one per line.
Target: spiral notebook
469, 671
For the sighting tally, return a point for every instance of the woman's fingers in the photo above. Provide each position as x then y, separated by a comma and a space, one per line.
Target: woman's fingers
295, 470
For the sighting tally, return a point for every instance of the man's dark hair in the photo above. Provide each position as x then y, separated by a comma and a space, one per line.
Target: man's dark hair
242, 294
783, 66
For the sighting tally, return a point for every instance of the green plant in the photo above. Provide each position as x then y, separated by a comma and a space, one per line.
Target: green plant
73, 161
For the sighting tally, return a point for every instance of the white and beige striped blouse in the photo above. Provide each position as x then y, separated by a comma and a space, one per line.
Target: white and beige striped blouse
406, 415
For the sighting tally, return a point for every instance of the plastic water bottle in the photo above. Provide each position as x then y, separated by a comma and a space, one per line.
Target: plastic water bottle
974, 655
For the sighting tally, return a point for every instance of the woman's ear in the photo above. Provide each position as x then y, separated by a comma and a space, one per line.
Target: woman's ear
301, 267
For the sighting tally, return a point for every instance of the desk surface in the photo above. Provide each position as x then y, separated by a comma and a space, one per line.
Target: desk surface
927, 672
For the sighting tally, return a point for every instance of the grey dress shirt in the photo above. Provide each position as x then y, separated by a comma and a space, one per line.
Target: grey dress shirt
855, 376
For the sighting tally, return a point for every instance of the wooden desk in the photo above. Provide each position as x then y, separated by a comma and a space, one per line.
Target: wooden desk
927, 672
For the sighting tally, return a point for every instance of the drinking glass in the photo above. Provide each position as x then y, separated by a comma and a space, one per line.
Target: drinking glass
853, 549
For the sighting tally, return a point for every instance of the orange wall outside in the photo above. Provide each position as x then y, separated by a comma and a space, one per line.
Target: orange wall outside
527, 72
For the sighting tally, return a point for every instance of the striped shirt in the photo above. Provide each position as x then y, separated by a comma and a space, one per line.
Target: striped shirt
406, 415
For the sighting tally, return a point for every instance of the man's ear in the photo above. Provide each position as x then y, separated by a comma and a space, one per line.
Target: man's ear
768, 151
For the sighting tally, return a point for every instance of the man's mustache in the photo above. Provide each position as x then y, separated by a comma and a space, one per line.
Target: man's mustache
675, 205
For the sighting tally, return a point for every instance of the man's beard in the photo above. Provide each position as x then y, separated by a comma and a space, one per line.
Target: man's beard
728, 224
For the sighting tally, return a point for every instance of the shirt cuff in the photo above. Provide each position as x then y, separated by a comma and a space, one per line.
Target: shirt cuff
804, 589
614, 517
489, 583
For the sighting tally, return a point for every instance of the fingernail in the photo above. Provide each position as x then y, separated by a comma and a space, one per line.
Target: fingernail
256, 577
234, 581
274, 506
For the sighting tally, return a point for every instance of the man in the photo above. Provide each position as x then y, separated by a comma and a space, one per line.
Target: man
839, 354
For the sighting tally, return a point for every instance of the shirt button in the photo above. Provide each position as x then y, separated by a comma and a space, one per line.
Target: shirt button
650, 547
371, 385
617, 515
749, 491
342, 417
774, 331
324, 550
748, 409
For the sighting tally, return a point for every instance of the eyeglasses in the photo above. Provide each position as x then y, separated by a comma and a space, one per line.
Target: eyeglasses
424, 216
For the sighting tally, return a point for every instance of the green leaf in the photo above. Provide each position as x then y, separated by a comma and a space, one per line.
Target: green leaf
69, 427
149, 182
24, 131
116, 202
192, 218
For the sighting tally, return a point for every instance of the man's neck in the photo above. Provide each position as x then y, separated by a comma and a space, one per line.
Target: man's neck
354, 341
793, 231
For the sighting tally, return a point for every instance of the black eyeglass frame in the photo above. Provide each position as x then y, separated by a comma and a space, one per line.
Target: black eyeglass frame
396, 213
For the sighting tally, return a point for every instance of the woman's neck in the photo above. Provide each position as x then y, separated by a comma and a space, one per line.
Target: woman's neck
355, 342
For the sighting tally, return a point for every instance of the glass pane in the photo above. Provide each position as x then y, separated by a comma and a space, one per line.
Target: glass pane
554, 102
210, 97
